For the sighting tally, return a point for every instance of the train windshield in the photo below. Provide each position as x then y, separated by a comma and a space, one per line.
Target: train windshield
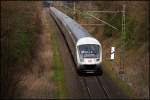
89, 51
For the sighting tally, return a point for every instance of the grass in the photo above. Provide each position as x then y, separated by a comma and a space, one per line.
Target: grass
122, 85
16, 22
57, 63
17, 40
130, 27
58, 72
131, 39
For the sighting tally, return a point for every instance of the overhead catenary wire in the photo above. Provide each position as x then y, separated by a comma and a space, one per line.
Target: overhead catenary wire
94, 17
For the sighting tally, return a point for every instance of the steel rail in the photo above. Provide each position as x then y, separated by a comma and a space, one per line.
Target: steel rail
88, 90
103, 88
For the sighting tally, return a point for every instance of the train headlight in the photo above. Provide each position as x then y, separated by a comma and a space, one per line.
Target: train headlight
97, 59
81, 59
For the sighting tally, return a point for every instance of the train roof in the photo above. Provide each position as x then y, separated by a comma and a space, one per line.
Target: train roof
87, 40
75, 28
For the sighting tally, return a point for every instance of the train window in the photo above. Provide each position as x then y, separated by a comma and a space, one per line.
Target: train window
89, 51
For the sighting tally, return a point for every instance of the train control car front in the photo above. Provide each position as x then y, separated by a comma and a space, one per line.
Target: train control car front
89, 55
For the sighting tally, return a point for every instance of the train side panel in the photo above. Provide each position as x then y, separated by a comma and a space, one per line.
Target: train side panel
66, 31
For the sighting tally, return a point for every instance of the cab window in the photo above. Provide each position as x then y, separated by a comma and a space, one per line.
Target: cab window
89, 51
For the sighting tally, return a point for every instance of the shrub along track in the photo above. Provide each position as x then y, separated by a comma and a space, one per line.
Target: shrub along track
90, 87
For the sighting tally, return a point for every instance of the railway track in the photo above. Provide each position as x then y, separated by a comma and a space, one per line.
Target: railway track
87, 88
106, 92
94, 88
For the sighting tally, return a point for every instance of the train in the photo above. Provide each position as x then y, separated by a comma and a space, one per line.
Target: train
85, 49
47, 3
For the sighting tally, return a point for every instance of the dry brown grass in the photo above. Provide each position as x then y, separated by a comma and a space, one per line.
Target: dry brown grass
38, 83
31, 78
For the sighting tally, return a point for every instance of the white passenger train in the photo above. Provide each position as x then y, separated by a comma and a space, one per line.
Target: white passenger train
85, 49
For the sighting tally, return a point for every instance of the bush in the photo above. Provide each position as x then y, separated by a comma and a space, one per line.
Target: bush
130, 24
116, 22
